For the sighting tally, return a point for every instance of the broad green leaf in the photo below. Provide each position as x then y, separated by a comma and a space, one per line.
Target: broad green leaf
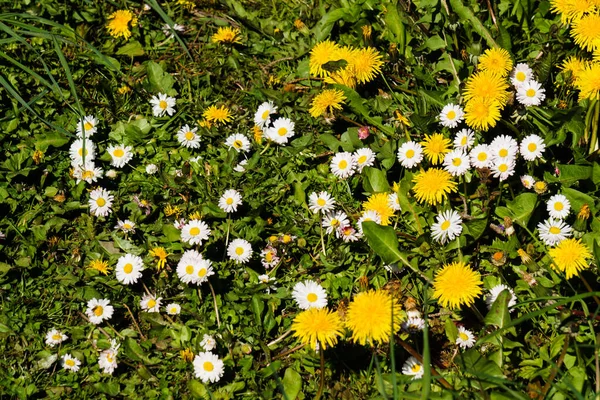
394, 24
160, 81
132, 49
520, 209
258, 307
570, 174
451, 330
292, 384
499, 315
578, 199
384, 242
134, 351
198, 390
375, 180
435, 42
54, 139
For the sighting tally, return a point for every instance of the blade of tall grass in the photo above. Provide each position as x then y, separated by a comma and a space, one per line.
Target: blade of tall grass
154, 4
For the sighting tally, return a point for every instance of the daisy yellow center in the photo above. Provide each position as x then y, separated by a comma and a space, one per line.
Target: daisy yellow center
558, 206
503, 168
482, 156
530, 92
463, 336
202, 273
540, 185
463, 141
163, 104
229, 201
237, 144
311, 297
521, 76
80, 152
321, 202
335, 222
239, 251
127, 226
503, 152
498, 255
189, 269
208, 366
189, 135
70, 362
265, 114
195, 231
286, 238
56, 336
269, 256
532, 147
362, 159
151, 303
87, 126
100, 202
128, 268
456, 162
445, 225
173, 310
109, 358
87, 174
282, 131
118, 153
554, 230
98, 311
451, 114
415, 368
343, 164
410, 153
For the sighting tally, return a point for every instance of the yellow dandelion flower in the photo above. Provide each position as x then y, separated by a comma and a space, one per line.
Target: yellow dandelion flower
486, 85
187, 355
525, 257
496, 60
342, 77
124, 89
205, 124
172, 210
579, 8
215, 115
320, 55
433, 185
401, 118
257, 132
570, 256
457, 284
562, 7
37, 156
299, 24
584, 212
540, 187
161, 254
482, 114
586, 32
588, 82
119, 23
367, 30
100, 266
365, 64
195, 216
327, 100
435, 147
573, 65
369, 317
317, 325
227, 35
380, 203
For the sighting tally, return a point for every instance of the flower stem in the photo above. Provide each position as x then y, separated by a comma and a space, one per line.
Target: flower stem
321, 229
322, 383
215, 303
595, 122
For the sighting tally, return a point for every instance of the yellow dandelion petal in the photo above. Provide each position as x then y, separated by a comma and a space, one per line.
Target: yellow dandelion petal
118, 26
342, 77
561, 7
586, 32
487, 85
369, 317
496, 60
328, 99
317, 325
433, 185
457, 284
100, 266
217, 115
435, 147
365, 64
320, 55
227, 35
573, 65
570, 256
588, 82
379, 202
161, 254
482, 114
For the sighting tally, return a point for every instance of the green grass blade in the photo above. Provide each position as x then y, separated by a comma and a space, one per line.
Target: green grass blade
154, 4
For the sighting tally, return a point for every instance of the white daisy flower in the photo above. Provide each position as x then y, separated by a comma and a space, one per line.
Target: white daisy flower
368, 216
527, 181
342, 165
76, 151
495, 292
208, 342
129, 269
108, 359
195, 232
281, 131
240, 251
364, 157
150, 303
70, 363
87, 125
151, 169
89, 173
188, 266
208, 367
464, 140
521, 75
187, 137
553, 231
100, 202
451, 115
322, 202
412, 367
169, 31
447, 227
268, 257
465, 338
230, 201
413, 324
410, 154
111, 173
54, 337
532, 147
126, 226
531, 93
173, 309
238, 142
309, 294
456, 162
162, 104
480, 156
503, 147
394, 201
348, 234
203, 271
241, 166
266, 279
558, 206
98, 310
120, 155
502, 169
332, 221
263, 114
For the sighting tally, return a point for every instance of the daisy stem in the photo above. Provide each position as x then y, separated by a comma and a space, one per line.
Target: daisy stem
266, 147
322, 383
118, 334
322, 238
280, 338
215, 303
134, 321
